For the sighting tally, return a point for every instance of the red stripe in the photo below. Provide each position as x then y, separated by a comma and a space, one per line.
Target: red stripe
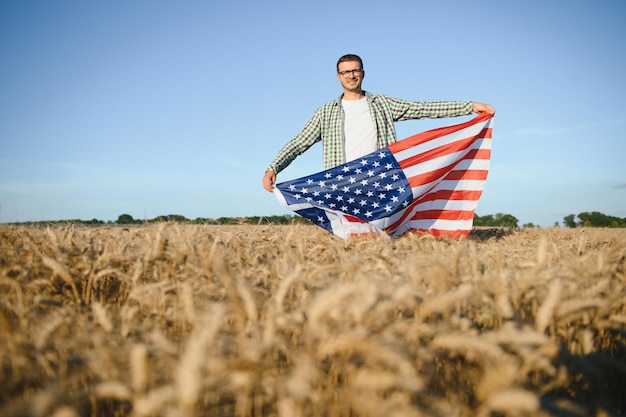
437, 133
353, 219
430, 176
456, 195
456, 146
443, 215
452, 234
458, 215
472, 174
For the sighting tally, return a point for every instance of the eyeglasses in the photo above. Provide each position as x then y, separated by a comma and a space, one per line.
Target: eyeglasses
353, 72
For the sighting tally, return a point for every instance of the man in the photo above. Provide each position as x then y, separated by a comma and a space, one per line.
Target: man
358, 123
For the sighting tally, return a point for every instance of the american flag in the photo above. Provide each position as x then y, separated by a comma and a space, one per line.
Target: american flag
427, 183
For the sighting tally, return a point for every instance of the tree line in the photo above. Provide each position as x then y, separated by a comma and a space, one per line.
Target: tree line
593, 219
585, 219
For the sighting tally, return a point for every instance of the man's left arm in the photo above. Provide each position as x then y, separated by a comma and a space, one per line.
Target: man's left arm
411, 110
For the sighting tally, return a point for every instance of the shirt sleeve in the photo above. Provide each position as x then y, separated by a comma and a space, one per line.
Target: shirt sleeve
310, 134
410, 110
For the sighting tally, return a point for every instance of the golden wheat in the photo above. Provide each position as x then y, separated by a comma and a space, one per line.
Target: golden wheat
197, 320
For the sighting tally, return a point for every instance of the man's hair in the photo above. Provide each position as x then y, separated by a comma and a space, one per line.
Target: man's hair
349, 57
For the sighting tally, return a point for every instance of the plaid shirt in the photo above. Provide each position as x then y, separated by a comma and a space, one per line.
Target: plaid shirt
326, 125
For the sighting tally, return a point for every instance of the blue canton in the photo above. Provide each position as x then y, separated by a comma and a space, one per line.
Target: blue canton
369, 188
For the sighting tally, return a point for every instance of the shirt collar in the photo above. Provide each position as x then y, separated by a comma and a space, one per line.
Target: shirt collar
368, 95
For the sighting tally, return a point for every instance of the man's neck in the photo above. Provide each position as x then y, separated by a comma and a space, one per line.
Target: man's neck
352, 95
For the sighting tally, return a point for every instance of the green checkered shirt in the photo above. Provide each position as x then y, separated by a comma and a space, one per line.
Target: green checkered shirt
326, 125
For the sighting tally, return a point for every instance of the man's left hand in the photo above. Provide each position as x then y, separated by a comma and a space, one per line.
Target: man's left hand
481, 108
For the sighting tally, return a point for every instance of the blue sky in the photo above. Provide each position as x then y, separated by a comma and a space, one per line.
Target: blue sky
158, 107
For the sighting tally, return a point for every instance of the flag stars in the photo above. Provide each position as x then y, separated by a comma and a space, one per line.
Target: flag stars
370, 188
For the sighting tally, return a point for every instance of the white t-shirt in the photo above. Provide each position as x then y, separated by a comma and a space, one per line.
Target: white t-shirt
359, 130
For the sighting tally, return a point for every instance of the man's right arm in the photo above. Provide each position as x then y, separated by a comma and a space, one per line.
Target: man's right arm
310, 134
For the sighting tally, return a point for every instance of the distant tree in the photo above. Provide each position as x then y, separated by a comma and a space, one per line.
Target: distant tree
569, 220
506, 220
529, 225
125, 219
597, 219
227, 220
593, 219
170, 218
486, 220
499, 220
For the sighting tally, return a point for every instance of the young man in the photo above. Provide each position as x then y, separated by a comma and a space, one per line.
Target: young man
358, 123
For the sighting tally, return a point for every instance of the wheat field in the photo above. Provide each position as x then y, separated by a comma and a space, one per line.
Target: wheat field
183, 320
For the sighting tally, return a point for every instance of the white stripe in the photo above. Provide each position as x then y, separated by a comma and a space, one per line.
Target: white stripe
451, 205
461, 185
424, 225
473, 165
458, 205
439, 162
463, 134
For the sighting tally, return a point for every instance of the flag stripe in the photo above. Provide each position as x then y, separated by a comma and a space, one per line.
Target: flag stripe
424, 173
447, 149
430, 135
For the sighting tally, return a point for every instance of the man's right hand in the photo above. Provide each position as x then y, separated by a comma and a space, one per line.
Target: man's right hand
269, 179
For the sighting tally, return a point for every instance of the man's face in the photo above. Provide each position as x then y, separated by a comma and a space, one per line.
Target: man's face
349, 78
